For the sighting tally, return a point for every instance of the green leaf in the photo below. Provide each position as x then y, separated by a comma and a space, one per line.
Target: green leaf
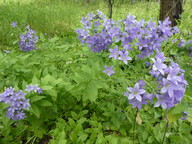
82, 113
74, 115
46, 87
81, 121
179, 108
23, 58
46, 80
45, 103
62, 141
82, 136
57, 81
53, 94
35, 80
173, 117
92, 92
15, 42
35, 110
72, 123
36, 98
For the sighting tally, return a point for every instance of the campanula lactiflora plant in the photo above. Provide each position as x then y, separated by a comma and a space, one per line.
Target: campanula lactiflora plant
17, 101
28, 41
129, 35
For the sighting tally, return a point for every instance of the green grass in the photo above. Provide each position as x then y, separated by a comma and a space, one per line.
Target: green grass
63, 17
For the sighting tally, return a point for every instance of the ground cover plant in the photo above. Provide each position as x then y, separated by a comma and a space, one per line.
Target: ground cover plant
73, 76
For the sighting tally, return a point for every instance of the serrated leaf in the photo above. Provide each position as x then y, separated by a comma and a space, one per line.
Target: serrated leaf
35, 80
92, 92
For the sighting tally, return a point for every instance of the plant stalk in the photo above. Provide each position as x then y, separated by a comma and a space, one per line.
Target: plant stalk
134, 125
166, 128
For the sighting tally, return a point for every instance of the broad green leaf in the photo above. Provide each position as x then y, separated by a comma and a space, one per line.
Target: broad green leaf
115, 121
82, 113
62, 141
82, 120
82, 136
173, 117
35, 80
55, 82
74, 115
46, 87
72, 123
92, 92
46, 80
53, 94
36, 98
23, 58
35, 110
179, 108
145, 135
45, 103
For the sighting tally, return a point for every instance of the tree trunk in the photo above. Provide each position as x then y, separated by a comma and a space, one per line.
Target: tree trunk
171, 9
110, 6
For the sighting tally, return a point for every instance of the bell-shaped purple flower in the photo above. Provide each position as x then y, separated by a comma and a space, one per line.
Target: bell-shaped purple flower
135, 92
109, 70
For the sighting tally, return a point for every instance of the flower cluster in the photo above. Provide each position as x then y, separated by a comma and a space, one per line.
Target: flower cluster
170, 80
170, 90
34, 88
28, 40
99, 33
100, 39
17, 101
129, 37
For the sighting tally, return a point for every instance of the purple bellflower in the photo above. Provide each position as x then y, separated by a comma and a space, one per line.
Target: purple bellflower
14, 24
109, 70
124, 56
34, 88
114, 53
17, 103
135, 92
159, 65
28, 41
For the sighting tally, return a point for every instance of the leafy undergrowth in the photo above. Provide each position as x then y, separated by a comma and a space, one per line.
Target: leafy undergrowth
80, 96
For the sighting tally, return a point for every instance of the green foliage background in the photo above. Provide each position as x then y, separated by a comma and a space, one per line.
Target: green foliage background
80, 103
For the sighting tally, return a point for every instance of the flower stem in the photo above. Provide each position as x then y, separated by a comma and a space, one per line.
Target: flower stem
134, 125
166, 128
